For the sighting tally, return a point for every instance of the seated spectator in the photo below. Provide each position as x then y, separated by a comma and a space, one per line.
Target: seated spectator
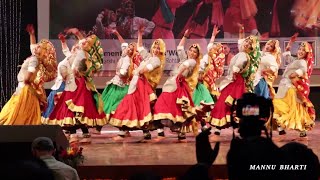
34, 169
43, 148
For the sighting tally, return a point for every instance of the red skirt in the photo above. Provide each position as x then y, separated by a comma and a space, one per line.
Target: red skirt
220, 114
134, 111
79, 101
176, 106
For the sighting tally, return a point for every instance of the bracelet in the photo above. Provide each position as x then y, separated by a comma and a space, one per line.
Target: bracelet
185, 36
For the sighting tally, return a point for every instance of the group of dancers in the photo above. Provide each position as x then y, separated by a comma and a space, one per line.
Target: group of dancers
190, 96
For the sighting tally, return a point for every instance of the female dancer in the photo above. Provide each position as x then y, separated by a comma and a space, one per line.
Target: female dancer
238, 81
212, 72
175, 102
29, 99
306, 15
118, 86
63, 76
200, 19
77, 108
164, 18
201, 93
292, 107
268, 69
238, 14
211, 68
134, 111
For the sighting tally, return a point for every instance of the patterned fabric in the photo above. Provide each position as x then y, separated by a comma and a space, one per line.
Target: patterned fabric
215, 68
303, 83
269, 75
46, 70
135, 60
155, 75
95, 55
92, 64
48, 66
248, 73
192, 80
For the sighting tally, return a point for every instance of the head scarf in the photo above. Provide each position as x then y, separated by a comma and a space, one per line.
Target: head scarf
161, 44
302, 83
253, 60
309, 58
215, 68
95, 55
192, 80
277, 50
135, 60
48, 64
155, 75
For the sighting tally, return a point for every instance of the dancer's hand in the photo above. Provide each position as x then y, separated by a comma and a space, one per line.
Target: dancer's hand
294, 37
234, 77
115, 32
204, 152
240, 26
72, 31
187, 33
293, 75
215, 30
62, 37
141, 28
292, 40
30, 29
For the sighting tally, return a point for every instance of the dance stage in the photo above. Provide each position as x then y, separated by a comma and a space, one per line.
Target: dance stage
109, 159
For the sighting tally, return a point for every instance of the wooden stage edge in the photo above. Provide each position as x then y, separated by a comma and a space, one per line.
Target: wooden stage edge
106, 158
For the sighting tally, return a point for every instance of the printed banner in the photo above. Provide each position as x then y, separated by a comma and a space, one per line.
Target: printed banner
112, 50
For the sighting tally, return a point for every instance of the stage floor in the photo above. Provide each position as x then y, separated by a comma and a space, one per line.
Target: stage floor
133, 151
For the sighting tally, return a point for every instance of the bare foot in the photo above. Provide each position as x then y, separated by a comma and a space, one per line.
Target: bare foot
214, 138
158, 139
118, 138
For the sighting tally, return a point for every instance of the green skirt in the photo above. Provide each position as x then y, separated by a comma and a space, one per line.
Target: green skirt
112, 96
201, 93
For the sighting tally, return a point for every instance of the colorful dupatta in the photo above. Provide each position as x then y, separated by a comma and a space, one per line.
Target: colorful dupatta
302, 83
215, 68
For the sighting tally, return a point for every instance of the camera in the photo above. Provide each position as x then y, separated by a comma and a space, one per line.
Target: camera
252, 112
251, 105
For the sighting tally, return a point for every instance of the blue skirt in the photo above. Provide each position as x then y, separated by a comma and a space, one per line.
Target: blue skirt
50, 100
262, 89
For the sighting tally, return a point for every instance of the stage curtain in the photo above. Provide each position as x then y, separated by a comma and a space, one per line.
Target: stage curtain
14, 41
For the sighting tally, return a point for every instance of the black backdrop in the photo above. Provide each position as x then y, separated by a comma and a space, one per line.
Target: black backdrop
14, 47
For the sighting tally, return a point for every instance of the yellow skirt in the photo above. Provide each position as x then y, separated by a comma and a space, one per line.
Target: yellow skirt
291, 114
21, 109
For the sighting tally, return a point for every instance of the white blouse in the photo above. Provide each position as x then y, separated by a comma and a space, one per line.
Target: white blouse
29, 65
237, 63
122, 67
150, 62
170, 85
298, 66
268, 61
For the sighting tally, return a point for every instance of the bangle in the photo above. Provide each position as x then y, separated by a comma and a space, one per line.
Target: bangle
185, 36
